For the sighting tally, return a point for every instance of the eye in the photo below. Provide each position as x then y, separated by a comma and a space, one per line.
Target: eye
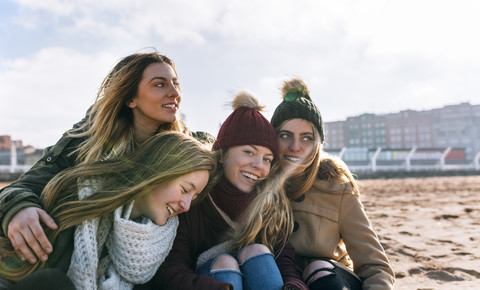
249, 152
184, 190
307, 138
268, 160
283, 136
160, 85
176, 84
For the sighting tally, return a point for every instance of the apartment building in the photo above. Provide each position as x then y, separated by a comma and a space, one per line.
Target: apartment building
455, 126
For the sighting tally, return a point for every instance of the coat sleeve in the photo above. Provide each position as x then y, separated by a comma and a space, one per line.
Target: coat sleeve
25, 191
363, 246
290, 271
177, 271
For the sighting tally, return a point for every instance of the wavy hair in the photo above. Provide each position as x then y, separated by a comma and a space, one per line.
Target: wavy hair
162, 158
269, 218
109, 123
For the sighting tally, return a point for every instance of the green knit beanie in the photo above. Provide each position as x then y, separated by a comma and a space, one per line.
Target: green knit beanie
297, 104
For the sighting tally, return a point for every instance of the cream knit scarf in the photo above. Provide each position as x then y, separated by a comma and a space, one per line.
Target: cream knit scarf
133, 251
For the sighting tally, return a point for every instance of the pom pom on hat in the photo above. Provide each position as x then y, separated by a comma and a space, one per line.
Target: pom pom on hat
246, 125
297, 104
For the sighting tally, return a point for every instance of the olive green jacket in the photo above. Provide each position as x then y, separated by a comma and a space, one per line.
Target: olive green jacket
25, 192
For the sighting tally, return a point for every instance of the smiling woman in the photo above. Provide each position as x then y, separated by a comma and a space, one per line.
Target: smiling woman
138, 98
123, 203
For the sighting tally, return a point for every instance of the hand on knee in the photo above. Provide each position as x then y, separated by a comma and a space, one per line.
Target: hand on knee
252, 251
225, 262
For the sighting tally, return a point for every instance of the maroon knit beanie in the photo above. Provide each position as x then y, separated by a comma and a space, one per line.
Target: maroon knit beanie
246, 126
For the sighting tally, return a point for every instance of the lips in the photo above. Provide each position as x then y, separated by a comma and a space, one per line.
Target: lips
292, 158
170, 210
170, 106
249, 175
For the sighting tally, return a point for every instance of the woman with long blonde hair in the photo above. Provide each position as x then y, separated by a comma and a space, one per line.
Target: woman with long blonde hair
334, 241
118, 217
139, 97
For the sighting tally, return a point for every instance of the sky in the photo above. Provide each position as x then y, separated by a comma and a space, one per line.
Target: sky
369, 56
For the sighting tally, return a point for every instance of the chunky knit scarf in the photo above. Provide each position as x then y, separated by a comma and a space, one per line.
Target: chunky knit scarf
133, 252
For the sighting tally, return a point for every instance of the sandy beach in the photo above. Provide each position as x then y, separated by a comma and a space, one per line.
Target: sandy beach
429, 227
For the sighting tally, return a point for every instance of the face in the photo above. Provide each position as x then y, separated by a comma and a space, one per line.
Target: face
168, 200
296, 141
245, 165
158, 97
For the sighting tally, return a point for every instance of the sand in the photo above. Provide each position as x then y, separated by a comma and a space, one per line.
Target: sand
429, 227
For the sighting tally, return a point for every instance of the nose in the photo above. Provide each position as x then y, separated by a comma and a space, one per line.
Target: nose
174, 92
185, 203
258, 162
295, 145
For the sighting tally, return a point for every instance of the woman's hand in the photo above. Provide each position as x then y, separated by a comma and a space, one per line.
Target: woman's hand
27, 235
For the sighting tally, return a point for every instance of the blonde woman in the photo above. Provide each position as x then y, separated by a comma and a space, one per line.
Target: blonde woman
139, 97
117, 218
334, 241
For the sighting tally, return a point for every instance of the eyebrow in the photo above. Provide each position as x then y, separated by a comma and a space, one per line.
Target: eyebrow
301, 133
158, 78
255, 147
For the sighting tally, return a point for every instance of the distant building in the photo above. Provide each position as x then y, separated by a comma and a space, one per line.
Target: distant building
453, 126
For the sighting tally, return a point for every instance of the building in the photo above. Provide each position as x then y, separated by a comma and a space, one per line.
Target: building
453, 126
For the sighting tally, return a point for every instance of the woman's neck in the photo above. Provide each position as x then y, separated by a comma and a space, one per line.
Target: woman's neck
143, 132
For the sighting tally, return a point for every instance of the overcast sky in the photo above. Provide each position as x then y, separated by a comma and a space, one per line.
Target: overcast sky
356, 56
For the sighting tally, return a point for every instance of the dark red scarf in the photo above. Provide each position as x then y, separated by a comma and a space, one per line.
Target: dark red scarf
230, 199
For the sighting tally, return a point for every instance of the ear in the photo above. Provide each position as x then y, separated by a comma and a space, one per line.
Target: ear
131, 104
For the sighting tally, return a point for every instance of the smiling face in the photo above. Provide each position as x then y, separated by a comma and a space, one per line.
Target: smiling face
158, 97
244, 165
168, 200
296, 141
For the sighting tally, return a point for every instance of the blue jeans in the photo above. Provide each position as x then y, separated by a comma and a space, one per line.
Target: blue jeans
256, 273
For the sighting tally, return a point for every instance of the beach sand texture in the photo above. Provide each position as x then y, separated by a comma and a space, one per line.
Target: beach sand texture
429, 227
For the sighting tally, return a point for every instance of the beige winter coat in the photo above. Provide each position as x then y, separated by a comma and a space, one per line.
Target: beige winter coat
331, 218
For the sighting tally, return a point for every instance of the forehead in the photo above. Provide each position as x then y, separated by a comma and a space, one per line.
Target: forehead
298, 126
159, 69
256, 148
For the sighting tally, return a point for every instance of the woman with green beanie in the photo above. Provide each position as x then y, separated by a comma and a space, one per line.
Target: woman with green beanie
333, 238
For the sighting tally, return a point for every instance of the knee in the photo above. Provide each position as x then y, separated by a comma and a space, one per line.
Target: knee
225, 262
252, 251
317, 269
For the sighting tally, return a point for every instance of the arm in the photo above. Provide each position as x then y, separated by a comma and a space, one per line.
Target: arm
177, 271
363, 246
20, 207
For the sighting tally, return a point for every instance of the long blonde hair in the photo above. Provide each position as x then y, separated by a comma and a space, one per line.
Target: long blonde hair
304, 175
269, 218
161, 159
109, 123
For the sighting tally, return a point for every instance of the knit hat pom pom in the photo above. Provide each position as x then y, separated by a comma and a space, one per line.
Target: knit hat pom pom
296, 87
246, 99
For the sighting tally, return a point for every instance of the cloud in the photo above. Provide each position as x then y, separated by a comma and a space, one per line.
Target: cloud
50, 89
371, 56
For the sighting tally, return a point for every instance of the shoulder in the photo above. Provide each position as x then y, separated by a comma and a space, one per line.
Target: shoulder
203, 137
334, 176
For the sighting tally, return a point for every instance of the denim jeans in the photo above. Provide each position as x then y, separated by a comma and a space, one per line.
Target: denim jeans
256, 273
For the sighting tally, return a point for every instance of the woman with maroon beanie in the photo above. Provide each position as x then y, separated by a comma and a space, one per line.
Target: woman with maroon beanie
236, 238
